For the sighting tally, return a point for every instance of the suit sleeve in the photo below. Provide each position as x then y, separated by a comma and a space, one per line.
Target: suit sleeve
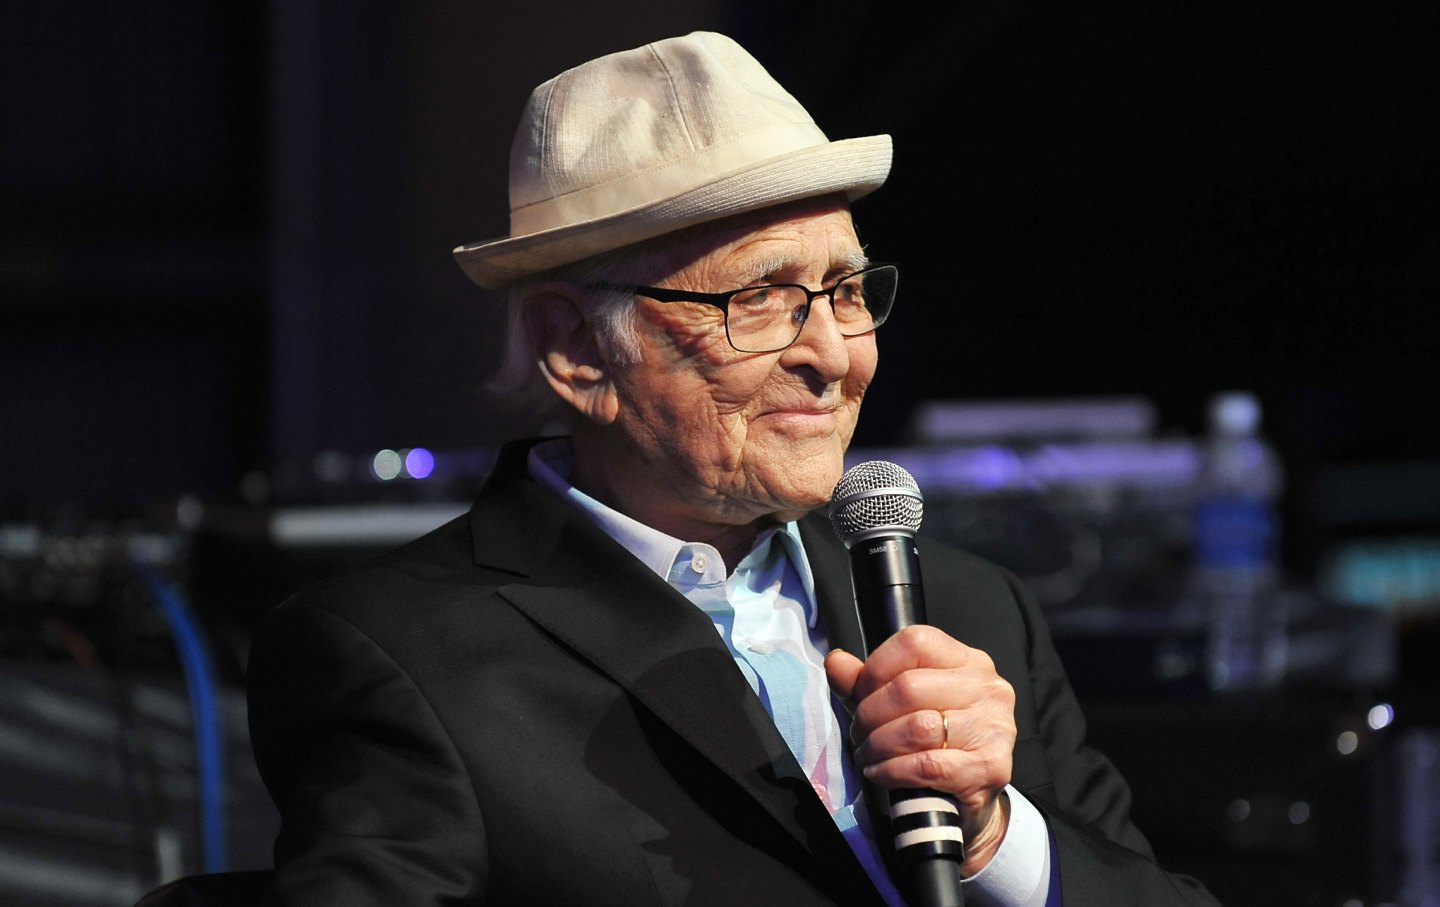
1103, 857
347, 746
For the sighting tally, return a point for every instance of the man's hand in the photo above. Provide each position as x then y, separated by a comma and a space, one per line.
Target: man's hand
897, 700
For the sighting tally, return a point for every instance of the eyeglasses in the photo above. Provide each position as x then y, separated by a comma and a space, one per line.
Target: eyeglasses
769, 318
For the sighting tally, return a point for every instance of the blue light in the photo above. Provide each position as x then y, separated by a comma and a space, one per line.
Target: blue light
419, 463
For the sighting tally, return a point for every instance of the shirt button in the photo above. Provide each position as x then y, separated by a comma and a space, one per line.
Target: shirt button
700, 563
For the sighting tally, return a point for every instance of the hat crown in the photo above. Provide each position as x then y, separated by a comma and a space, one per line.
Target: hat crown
629, 127
645, 142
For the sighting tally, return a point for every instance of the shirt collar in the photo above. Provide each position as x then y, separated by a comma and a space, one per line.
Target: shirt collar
789, 537
550, 463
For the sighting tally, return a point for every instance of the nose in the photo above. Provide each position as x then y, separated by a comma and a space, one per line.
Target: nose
820, 344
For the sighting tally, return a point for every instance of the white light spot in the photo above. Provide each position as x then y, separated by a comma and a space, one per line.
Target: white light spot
1238, 810
387, 465
1380, 716
1347, 742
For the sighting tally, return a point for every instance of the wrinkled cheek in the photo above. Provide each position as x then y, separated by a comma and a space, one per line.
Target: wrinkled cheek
728, 438
692, 437
854, 393
848, 421
864, 359
700, 341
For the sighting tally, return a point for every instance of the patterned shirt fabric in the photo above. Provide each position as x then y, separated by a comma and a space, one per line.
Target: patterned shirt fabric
764, 610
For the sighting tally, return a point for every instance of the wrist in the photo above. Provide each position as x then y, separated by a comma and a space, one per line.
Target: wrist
981, 847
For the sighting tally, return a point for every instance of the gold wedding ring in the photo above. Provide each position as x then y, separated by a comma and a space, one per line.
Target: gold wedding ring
944, 730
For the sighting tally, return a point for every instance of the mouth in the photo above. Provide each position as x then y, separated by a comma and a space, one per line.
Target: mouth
804, 419
824, 405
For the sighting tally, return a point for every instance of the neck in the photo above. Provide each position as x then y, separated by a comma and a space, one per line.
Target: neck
619, 481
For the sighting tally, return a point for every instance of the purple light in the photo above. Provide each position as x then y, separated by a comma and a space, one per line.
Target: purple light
993, 468
419, 463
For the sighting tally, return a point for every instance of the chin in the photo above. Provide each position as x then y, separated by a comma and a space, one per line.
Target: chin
797, 476
795, 505
812, 491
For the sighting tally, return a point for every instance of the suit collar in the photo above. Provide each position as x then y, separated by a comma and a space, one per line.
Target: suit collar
582, 588
520, 528
834, 595
515, 523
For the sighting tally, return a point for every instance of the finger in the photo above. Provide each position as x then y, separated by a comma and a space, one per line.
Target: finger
928, 729
843, 670
973, 776
919, 646
915, 691
973, 730
975, 784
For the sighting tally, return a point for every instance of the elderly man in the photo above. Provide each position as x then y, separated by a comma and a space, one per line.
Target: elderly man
607, 684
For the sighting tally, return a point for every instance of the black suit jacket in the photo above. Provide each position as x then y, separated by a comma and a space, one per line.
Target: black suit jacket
514, 710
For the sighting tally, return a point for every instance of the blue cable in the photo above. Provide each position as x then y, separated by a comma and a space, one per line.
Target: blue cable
199, 669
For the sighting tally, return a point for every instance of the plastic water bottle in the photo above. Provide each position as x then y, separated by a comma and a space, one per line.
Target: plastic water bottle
1236, 568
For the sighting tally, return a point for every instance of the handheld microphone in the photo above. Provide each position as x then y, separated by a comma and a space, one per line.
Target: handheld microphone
876, 511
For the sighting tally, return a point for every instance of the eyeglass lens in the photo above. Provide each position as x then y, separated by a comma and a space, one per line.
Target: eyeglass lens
769, 318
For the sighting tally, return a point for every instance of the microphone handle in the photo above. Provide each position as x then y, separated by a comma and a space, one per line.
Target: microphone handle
925, 823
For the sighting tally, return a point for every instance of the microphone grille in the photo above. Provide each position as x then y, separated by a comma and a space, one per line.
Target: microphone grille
876, 498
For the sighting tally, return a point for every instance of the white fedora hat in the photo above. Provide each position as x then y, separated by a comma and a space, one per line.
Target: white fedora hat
651, 140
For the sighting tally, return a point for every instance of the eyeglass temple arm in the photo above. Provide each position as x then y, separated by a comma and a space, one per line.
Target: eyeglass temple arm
661, 294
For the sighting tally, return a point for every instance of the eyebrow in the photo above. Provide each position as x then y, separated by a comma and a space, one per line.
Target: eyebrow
851, 261
764, 267
857, 260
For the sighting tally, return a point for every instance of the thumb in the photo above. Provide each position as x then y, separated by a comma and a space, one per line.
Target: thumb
842, 670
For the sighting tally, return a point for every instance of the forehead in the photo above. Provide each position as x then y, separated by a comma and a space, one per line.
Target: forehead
806, 239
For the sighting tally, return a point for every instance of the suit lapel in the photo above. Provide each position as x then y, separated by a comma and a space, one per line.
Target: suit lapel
835, 597
583, 588
834, 594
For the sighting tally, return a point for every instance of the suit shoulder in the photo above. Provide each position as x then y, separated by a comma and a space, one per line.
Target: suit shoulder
419, 576
974, 572
980, 603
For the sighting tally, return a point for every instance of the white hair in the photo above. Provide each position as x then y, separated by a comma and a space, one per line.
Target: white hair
518, 383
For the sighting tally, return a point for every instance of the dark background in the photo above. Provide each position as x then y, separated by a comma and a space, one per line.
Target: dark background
225, 231
227, 227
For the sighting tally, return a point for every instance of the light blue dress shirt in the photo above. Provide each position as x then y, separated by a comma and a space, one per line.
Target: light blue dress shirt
765, 612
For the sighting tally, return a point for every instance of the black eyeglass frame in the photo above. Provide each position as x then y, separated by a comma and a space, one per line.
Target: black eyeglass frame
721, 300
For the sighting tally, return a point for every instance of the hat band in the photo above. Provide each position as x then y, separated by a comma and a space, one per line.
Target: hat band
668, 181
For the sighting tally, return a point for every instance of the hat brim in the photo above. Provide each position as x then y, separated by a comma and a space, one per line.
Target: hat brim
855, 167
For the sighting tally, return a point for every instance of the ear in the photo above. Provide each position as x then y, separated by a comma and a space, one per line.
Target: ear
568, 352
